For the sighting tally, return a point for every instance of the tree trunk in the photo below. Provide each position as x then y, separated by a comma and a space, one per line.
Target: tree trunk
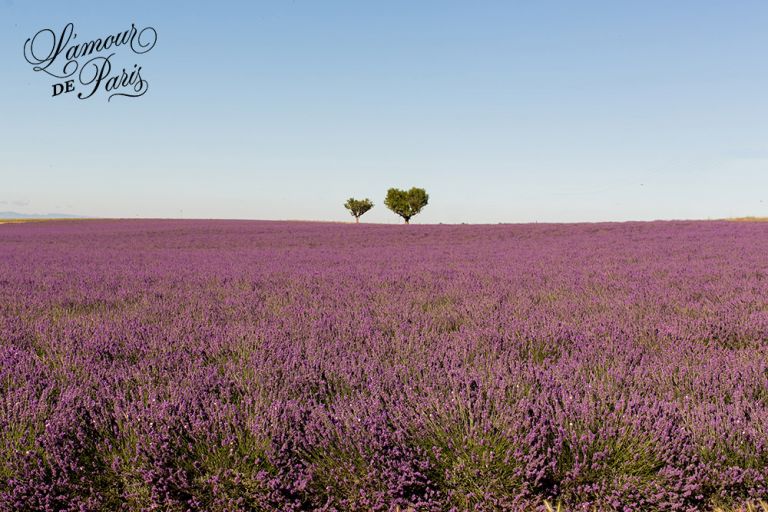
407, 220
357, 220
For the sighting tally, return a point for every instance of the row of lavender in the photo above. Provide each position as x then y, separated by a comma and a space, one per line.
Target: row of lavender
212, 365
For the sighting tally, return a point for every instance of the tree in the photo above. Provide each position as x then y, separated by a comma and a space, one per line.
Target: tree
406, 203
358, 207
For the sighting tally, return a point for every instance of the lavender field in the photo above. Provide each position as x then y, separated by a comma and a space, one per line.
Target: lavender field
236, 365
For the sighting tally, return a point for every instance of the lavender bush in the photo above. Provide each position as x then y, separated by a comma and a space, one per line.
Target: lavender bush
223, 365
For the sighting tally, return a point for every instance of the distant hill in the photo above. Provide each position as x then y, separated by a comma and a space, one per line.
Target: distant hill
17, 215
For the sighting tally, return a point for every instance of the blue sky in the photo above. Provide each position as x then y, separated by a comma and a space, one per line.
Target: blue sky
505, 111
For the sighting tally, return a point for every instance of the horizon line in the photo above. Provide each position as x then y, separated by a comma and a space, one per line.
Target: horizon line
42, 218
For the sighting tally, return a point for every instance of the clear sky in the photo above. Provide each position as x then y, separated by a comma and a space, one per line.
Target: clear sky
505, 111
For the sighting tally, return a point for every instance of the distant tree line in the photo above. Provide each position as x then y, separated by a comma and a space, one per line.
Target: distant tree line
405, 203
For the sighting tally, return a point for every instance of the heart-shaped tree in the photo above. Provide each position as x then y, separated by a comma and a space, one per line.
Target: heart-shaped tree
406, 203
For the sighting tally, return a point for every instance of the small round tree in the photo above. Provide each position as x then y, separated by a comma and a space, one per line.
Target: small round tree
406, 203
357, 207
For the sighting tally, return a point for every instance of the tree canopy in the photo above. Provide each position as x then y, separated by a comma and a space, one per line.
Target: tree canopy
357, 207
406, 203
